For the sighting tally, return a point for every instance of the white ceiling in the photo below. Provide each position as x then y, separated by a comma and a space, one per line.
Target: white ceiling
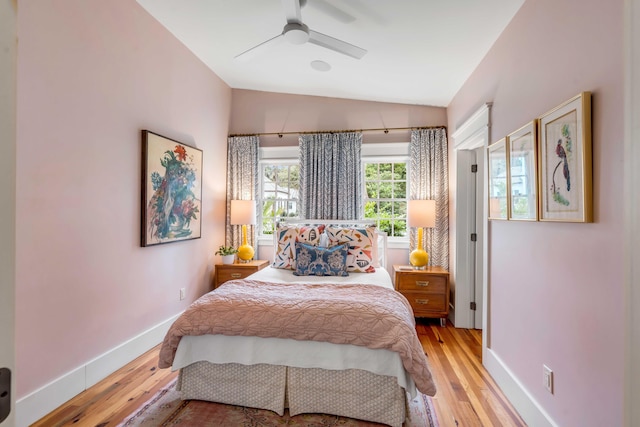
419, 51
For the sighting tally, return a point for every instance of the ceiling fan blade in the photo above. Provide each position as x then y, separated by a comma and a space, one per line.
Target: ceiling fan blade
336, 45
292, 11
259, 49
333, 11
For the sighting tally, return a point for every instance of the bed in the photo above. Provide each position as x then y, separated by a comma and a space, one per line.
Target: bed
343, 344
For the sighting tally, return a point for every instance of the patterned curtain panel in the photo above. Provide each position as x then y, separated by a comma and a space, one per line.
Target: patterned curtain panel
429, 179
330, 176
242, 183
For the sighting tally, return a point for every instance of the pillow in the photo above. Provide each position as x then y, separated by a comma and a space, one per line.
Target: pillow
318, 261
361, 246
286, 236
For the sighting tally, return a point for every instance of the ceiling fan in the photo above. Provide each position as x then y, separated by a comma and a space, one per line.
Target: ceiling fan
297, 32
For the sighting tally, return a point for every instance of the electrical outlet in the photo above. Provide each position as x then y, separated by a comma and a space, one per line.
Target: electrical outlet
547, 378
182, 293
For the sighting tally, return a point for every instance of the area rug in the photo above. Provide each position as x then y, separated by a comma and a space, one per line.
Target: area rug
166, 409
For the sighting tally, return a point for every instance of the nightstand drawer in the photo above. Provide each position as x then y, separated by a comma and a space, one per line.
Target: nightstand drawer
226, 272
423, 303
230, 274
421, 282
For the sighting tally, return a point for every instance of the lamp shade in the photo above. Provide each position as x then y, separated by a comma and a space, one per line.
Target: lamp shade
421, 213
243, 212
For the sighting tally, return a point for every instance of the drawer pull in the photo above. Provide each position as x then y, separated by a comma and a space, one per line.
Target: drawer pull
422, 301
423, 283
236, 275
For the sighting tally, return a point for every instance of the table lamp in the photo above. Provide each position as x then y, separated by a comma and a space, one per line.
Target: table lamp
243, 212
420, 213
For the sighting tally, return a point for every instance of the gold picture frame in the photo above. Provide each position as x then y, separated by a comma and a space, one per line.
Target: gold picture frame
565, 182
171, 190
523, 176
498, 170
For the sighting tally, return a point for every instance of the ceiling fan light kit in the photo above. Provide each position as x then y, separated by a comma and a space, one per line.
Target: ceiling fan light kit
298, 33
319, 65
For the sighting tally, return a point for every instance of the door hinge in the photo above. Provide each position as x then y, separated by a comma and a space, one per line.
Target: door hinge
473, 306
474, 237
474, 168
5, 393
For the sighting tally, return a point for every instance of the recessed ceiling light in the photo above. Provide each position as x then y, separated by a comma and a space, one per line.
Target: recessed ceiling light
320, 65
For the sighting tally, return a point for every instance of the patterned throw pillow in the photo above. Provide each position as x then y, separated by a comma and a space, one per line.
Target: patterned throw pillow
286, 236
361, 246
318, 261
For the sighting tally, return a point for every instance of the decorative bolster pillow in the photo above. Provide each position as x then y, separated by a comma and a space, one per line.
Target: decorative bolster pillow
318, 261
361, 241
286, 236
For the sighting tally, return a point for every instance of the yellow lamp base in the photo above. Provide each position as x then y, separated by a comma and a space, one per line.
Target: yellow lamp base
419, 258
245, 253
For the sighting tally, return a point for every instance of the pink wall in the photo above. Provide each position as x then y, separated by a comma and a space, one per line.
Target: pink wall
556, 289
92, 74
258, 112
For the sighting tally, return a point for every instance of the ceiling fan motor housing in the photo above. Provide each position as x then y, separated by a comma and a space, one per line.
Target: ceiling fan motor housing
296, 33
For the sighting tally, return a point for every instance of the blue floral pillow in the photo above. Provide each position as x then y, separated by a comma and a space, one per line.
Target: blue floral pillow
318, 261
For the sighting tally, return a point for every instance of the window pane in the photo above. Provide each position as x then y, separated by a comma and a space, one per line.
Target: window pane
399, 190
372, 190
400, 209
400, 171
385, 170
386, 191
371, 171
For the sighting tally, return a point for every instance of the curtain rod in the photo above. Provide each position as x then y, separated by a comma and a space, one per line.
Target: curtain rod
385, 130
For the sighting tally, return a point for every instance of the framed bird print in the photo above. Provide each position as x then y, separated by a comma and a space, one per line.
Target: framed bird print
565, 162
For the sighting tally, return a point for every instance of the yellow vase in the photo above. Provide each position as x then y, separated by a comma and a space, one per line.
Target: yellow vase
245, 252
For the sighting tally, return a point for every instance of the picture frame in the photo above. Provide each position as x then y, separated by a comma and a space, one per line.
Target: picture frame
171, 190
498, 169
523, 173
565, 183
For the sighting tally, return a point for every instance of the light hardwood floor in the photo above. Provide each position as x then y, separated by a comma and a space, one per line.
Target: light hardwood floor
467, 395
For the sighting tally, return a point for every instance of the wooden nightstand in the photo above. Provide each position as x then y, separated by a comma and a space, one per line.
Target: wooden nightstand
224, 272
427, 290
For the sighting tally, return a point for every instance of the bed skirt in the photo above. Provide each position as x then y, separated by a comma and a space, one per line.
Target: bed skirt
352, 393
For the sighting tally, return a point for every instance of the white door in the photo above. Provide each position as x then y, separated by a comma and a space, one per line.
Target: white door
479, 200
471, 140
8, 15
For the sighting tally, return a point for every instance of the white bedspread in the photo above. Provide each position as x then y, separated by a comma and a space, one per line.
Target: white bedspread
301, 354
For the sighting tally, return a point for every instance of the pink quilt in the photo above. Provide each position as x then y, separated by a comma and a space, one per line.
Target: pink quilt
364, 315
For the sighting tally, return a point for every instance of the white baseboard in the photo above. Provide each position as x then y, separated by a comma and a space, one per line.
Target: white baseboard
47, 398
528, 408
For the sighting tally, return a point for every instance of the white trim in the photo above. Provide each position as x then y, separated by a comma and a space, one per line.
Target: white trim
466, 134
39, 403
292, 152
279, 153
529, 409
386, 149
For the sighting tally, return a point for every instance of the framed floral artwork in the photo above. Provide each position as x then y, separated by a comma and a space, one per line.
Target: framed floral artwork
523, 166
498, 184
171, 190
565, 162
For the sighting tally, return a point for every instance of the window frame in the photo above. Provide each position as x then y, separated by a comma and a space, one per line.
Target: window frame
387, 152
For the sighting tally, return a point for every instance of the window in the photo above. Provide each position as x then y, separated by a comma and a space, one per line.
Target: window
385, 179
386, 196
279, 184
